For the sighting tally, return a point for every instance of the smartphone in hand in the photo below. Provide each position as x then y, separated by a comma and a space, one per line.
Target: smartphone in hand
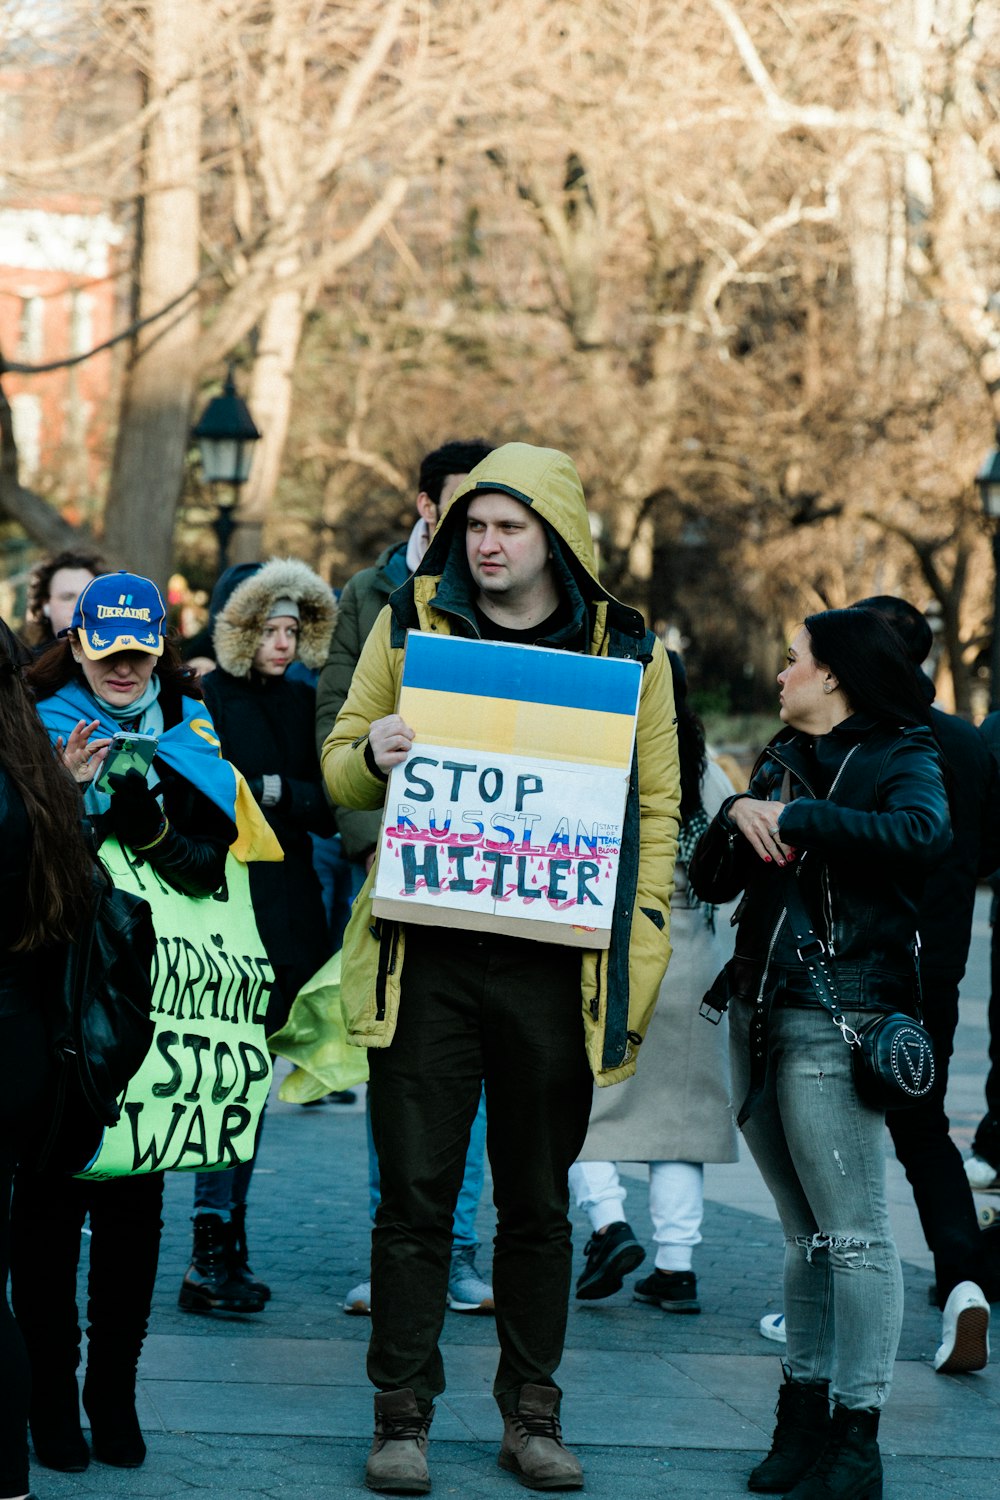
127, 752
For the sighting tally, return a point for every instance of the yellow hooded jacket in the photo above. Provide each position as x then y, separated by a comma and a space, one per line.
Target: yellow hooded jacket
618, 986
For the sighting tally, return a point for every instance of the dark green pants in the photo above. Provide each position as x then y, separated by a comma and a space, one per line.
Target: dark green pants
477, 1009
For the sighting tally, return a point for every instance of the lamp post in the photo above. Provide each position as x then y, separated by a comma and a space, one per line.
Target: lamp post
225, 434
988, 480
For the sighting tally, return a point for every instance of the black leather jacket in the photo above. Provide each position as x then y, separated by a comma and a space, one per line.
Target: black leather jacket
863, 854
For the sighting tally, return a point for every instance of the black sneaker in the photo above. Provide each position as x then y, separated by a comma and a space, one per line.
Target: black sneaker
610, 1257
674, 1291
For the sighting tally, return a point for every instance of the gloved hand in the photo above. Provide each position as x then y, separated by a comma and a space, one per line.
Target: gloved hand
136, 816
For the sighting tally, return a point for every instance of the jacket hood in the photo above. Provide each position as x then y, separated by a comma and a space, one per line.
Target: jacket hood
543, 478
548, 481
245, 603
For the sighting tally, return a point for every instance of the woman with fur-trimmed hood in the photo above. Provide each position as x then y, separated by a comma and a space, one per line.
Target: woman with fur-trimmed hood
264, 618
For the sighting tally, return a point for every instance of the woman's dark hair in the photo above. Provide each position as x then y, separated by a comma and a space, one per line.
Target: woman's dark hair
55, 667
59, 864
690, 742
870, 663
37, 630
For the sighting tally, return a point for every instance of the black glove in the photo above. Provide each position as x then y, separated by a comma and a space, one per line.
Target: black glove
136, 816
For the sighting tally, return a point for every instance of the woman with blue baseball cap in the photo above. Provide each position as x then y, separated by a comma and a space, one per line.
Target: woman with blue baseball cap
113, 670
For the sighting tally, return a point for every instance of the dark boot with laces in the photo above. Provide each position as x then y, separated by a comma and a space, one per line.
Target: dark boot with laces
850, 1465
209, 1285
803, 1413
397, 1463
532, 1445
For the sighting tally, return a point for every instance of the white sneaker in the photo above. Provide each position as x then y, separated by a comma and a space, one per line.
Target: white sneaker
982, 1175
359, 1300
772, 1326
965, 1332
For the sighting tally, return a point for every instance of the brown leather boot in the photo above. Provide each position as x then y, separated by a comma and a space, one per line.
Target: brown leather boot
532, 1445
397, 1463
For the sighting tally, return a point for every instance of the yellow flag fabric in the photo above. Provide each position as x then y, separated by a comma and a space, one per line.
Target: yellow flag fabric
255, 838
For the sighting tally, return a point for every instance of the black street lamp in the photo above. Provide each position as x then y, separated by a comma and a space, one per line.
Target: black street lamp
988, 480
225, 434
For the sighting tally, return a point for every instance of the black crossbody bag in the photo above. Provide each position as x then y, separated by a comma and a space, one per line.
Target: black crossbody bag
893, 1056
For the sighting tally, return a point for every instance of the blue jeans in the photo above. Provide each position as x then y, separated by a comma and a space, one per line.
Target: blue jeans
463, 1233
220, 1192
821, 1152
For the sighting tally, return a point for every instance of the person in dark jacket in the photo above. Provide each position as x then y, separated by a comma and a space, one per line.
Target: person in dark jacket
265, 617
933, 1163
44, 894
115, 667
964, 1285
983, 1166
849, 803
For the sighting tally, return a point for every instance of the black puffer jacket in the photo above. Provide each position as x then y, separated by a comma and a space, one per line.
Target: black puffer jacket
865, 848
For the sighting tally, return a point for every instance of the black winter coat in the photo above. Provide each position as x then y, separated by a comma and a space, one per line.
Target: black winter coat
864, 852
949, 896
266, 728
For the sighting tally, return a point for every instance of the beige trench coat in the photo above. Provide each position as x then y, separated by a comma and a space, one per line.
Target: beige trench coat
677, 1106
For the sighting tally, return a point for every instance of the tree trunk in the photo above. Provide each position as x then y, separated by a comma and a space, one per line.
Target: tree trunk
270, 402
153, 434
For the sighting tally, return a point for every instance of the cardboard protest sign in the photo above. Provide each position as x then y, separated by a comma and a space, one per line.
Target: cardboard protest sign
507, 816
195, 1102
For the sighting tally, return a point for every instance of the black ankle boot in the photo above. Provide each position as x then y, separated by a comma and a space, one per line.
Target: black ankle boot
209, 1285
54, 1420
803, 1413
115, 1434
850, 1465
239, 1263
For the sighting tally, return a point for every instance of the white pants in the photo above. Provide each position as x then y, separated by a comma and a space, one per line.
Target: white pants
676, 1204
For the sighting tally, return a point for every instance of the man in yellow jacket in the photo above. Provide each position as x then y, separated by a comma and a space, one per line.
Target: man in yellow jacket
511, 560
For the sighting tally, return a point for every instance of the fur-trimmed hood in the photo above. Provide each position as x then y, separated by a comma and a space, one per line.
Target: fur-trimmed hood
241, 618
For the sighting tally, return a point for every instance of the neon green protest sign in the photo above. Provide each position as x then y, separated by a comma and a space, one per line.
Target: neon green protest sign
195, 1102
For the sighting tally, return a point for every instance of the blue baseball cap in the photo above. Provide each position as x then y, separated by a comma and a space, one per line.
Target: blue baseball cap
119, 612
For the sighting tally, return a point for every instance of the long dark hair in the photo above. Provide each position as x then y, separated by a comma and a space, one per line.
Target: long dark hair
59, 863
56, 666
870, 663
690, 742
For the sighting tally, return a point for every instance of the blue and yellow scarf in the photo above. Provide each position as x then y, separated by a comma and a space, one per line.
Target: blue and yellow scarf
191, 748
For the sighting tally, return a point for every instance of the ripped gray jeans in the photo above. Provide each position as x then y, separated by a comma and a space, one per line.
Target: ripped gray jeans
822, 1154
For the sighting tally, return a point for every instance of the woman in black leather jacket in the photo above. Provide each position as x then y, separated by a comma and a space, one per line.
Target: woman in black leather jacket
111, 672
849, 801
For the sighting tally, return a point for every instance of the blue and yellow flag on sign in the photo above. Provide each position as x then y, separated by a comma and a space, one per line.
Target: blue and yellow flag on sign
534, 703
191, 748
